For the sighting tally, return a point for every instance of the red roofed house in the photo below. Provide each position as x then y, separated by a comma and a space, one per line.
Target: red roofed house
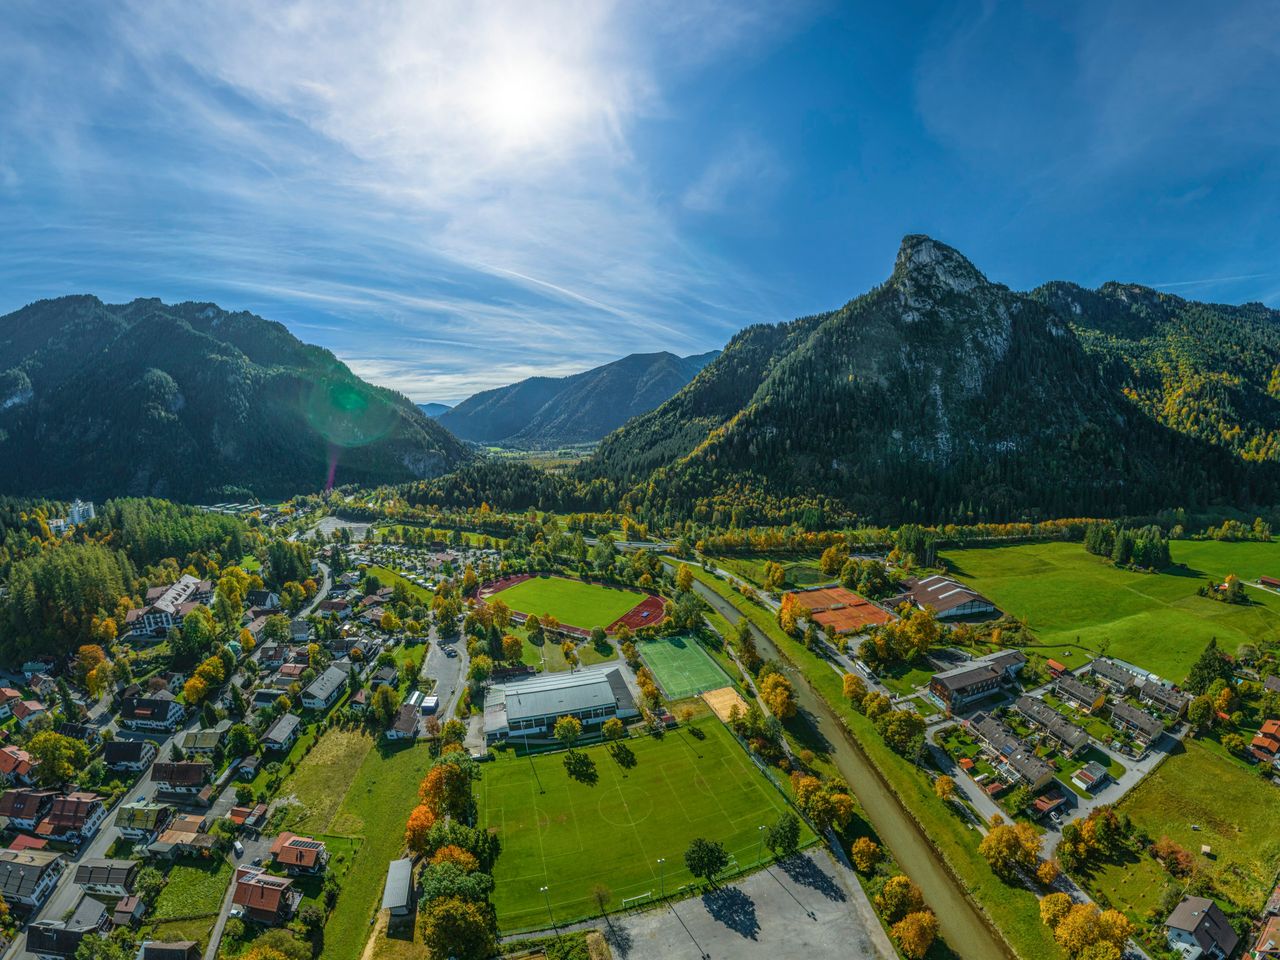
16, 765
24, 841
75, 817
25, 808
8, 697
1266, 745
28, 710
299, 855
265, 899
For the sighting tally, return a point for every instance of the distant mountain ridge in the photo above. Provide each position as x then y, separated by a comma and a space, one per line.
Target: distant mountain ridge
190, 401
940, 395
434, 409
546, 412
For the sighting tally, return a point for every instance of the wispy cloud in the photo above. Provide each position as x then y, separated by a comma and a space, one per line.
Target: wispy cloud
435, 189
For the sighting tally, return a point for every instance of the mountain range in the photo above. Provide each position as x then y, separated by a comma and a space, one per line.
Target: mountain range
191, 402
548, 412
434, 409
941, 395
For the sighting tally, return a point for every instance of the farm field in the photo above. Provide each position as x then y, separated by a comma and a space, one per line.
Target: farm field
1226, 803
681, 667
1079, 605
647, 801
572, 602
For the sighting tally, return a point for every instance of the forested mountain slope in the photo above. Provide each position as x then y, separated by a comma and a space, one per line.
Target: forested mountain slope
191, 402
545, 412
937, 395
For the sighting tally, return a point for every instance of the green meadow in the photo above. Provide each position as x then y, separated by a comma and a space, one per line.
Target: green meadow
1079, 605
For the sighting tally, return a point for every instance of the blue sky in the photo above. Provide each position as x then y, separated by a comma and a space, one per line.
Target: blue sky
451, 196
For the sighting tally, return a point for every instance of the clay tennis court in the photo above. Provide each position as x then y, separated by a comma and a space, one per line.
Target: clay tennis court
838, 610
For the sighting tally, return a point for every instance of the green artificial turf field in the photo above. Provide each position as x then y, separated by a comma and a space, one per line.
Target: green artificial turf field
1079, 604
572, 602
681, 667
613, 823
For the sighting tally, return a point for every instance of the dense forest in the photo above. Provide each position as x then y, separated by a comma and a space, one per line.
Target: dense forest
195, 403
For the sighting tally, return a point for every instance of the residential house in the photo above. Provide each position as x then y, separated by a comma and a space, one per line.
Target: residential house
980, 678
84, 732
158, 711
131, 755
299, 855
8, 697
248, 768
359, 700
1265, 745
1015, 759
107, 878
299, 630
1165, 697
28, 876
73, 818
1090, 777
186, 777
283, 733
1068, 737
24, 841
405, 725
266, 697
291, 672
60, 939
397, 895
27, 710
205, 743
324, 691
1117, 679
384, 676
272, 656
16, 766
263, 599
339, 608
1142, 726
1197, 929
26, 808
142, 821
169, 950
1268, 944
44, 685
263, 897
187, 835
1084, 695
1271, 684
129, 912
167, 606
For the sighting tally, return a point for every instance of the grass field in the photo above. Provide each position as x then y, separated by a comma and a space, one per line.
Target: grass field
572, 602
1228, 804
798, 572
1079, 604
681, 667
378, 800
388, 578
195, 889
334, 760
645, 802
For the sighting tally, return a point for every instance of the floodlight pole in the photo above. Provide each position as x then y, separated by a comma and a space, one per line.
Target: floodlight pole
662, 878
760, 855
547, 899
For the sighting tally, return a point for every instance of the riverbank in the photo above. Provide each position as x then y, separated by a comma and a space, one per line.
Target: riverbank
935, 848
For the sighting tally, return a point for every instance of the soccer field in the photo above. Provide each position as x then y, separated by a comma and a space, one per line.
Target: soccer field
572, 602
570, 835
1155, 620
681, 667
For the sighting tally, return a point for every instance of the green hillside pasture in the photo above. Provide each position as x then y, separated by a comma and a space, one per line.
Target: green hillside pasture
1080, 605
681, 667
572, 602
611, 826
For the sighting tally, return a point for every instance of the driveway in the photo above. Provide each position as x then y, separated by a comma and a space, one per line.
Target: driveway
252, 849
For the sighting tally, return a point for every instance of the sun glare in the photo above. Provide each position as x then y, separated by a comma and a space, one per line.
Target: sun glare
525, 103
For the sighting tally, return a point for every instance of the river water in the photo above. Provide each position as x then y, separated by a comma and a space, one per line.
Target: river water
964, 928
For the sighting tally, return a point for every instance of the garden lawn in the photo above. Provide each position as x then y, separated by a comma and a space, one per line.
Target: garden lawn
1229, 804
1079, 604
378, 801
681, 667
572, 602
614, 823
195, 889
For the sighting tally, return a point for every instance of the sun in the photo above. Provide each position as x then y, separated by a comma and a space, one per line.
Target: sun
525, 103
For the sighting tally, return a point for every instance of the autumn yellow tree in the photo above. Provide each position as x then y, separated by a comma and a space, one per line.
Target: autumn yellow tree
944, 787
456, 928
897, 898
1053, 908
512, 647
1047, 873
853, 688
865, 854
418, 829
684, 578
778, 696
464, 860
915, 933
788, 615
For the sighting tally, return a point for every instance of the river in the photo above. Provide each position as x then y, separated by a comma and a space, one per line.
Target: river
964, 928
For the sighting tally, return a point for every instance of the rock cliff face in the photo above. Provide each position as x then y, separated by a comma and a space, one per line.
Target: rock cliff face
938, 394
